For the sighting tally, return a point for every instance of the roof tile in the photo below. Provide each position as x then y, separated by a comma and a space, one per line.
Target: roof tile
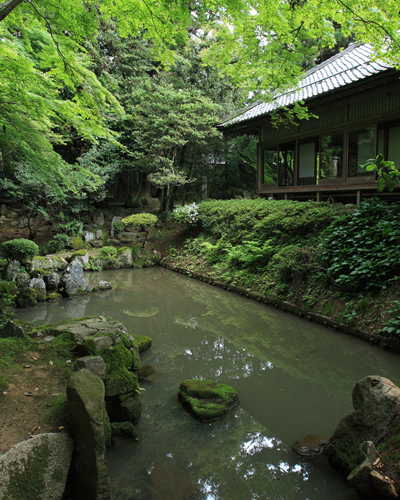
350, 65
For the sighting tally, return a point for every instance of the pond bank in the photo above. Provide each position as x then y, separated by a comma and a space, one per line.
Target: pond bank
374, 338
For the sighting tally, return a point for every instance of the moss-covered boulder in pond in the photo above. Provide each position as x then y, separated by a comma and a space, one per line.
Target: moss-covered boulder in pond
142, 341
123, 430
145, 372
205, 399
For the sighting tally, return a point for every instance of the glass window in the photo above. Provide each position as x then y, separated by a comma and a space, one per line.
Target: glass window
270, 168
394, 145
361, 149
331, 156
286, 165
307, 163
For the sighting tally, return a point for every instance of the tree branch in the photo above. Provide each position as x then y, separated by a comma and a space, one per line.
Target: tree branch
7, 7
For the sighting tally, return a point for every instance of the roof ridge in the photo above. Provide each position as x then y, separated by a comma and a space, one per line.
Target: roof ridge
352, 46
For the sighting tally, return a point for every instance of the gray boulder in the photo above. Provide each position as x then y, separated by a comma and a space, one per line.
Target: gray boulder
104, 285
82, 259
22, 223
11, 330
11, 271
51, 280
376, 401
88, 236
37, 284
36, 468
49, 263
112, 230
22, 280
99, 234
94, 364
90, 429
72, 281
125, 258
360, 477
98, 218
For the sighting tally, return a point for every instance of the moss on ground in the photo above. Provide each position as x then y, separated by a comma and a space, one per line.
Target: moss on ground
142, 341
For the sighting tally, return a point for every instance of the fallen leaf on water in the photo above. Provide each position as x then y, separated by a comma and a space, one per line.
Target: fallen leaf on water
51, 362
27, 366
27, 394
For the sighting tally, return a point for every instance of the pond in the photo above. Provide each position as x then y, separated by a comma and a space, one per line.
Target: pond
294, 378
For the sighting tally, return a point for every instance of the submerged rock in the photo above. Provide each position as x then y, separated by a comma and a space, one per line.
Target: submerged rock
205, 399
310, 446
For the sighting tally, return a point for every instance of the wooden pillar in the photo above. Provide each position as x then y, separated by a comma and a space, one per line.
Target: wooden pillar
318, 196
286, 196
359, 197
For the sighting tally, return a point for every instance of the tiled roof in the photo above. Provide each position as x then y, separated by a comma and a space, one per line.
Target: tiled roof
351, 65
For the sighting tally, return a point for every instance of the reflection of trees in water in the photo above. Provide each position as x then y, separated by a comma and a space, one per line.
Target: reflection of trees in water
234, 457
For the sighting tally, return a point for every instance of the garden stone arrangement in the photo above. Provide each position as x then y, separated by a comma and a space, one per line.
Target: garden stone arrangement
103, 403
29, 278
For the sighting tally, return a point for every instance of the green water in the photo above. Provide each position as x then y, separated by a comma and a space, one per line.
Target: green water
293, 377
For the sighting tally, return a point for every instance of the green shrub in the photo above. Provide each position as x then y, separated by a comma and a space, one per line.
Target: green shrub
78, 243
144, 219
19, 249
188, 214
361, 249
58, 243
108, 252
118, 227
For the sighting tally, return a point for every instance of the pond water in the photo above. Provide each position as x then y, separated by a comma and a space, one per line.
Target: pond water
294, 378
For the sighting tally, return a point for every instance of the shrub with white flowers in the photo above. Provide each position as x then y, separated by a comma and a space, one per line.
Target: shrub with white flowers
188, 214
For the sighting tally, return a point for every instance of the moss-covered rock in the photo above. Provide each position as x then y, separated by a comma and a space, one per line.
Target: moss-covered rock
145, 259
123, 430
205, 399
79, 253
54, 296
78, 243
142, 341
90, 429
36, 469
49, 263
145, 372
37, 273
109, 263
29, 297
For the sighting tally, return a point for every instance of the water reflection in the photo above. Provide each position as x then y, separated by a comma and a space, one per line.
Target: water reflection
294, 378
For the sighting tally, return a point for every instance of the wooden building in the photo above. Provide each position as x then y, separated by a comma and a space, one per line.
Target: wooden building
357, 101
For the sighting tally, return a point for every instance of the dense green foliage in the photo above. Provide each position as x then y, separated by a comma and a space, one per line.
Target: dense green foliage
361, 249
92, 92
108, 252
19, 249
271, 243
